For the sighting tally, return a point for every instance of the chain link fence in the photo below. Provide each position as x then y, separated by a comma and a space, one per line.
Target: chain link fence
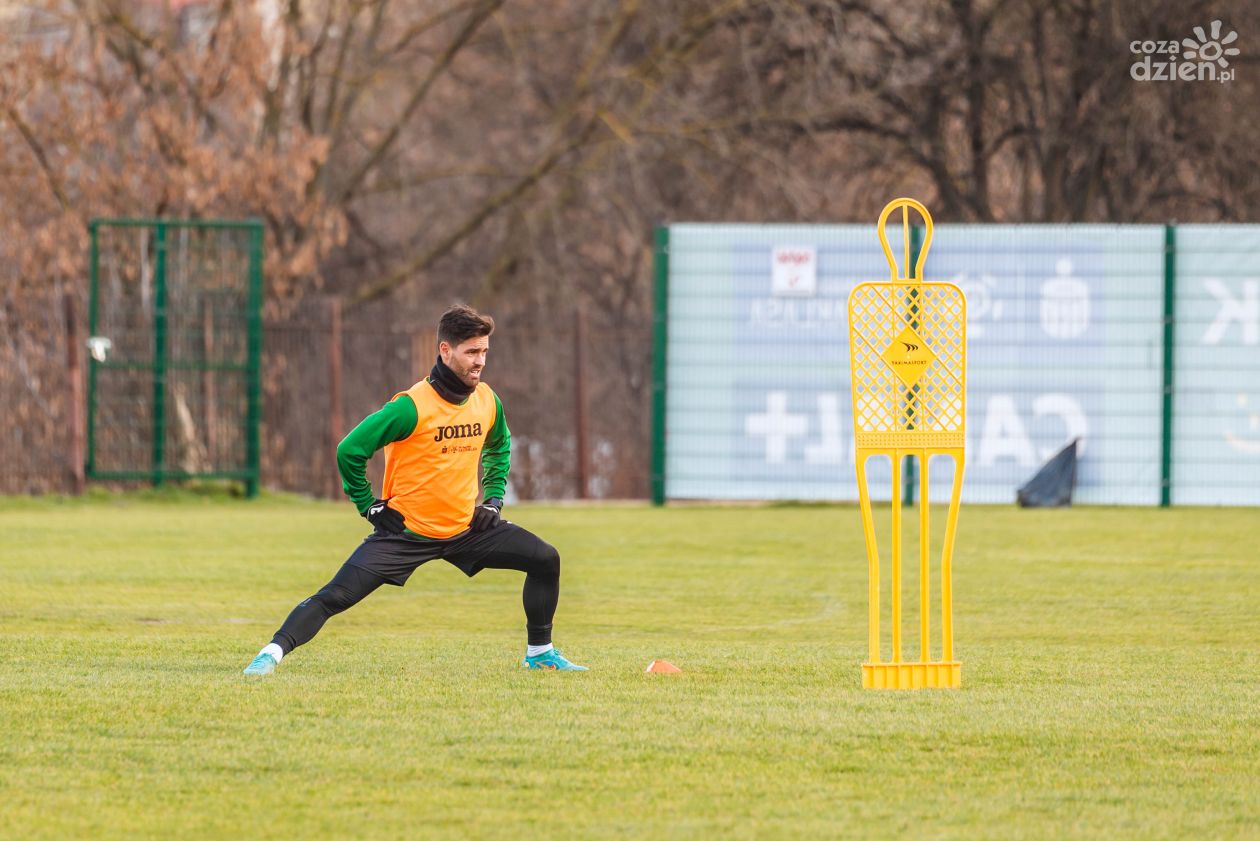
575, 389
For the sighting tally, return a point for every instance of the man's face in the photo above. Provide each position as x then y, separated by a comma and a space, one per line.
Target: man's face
466, 359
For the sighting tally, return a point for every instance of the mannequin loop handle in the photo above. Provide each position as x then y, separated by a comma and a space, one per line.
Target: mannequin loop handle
905, 205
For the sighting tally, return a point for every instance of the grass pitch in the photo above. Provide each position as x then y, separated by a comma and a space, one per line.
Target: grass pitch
1110, 659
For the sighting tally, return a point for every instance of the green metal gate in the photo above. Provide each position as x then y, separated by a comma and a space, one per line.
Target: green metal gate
176, 340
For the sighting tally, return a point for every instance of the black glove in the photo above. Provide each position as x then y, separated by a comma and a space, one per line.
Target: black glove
486, 515
384, 518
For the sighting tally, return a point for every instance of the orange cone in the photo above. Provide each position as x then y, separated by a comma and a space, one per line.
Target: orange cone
662, 667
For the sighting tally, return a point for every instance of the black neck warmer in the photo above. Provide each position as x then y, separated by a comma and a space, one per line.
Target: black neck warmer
448, 386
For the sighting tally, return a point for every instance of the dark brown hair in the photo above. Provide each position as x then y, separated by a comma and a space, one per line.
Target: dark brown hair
461, 323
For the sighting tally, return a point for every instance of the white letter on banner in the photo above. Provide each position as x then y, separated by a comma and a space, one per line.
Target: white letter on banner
1067, 408
1246, 311
777, 426
830, 450
1004, 435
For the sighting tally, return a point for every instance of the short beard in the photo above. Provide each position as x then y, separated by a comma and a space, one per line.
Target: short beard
464, 376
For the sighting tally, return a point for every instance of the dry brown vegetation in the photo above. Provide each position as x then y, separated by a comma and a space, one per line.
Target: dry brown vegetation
404, 154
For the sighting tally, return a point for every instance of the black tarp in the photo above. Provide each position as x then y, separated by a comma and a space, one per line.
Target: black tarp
1053, 484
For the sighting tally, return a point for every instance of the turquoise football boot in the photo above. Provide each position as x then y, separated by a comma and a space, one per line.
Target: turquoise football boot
553, 661
264, 664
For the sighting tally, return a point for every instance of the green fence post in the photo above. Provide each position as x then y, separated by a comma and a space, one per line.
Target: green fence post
1170, 306
254, 385
660, 341
159, 356
916, 242
93, 261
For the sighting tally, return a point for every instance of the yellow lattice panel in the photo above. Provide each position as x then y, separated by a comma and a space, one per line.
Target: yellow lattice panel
907, 352
908, 366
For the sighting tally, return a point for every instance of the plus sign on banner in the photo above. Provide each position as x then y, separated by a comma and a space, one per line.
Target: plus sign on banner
815, 437
777, 426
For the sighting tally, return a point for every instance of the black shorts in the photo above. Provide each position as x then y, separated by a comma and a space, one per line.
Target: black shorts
395, 557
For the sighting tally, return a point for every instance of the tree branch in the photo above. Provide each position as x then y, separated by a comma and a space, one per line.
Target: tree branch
479, 16
40, 156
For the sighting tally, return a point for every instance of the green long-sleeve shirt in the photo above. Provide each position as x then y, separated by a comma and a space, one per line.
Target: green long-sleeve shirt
395, 421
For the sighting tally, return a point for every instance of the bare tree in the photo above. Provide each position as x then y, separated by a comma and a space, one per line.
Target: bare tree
407, 153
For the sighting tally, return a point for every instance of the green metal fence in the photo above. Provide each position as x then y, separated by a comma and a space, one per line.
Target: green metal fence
174, 386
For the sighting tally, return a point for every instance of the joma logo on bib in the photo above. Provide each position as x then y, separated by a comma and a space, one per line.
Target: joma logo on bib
459, 430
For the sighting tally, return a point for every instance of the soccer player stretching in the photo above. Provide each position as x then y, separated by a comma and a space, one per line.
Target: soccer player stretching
434, 434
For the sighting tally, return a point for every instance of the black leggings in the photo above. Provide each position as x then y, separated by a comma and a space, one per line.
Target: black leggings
538, 560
